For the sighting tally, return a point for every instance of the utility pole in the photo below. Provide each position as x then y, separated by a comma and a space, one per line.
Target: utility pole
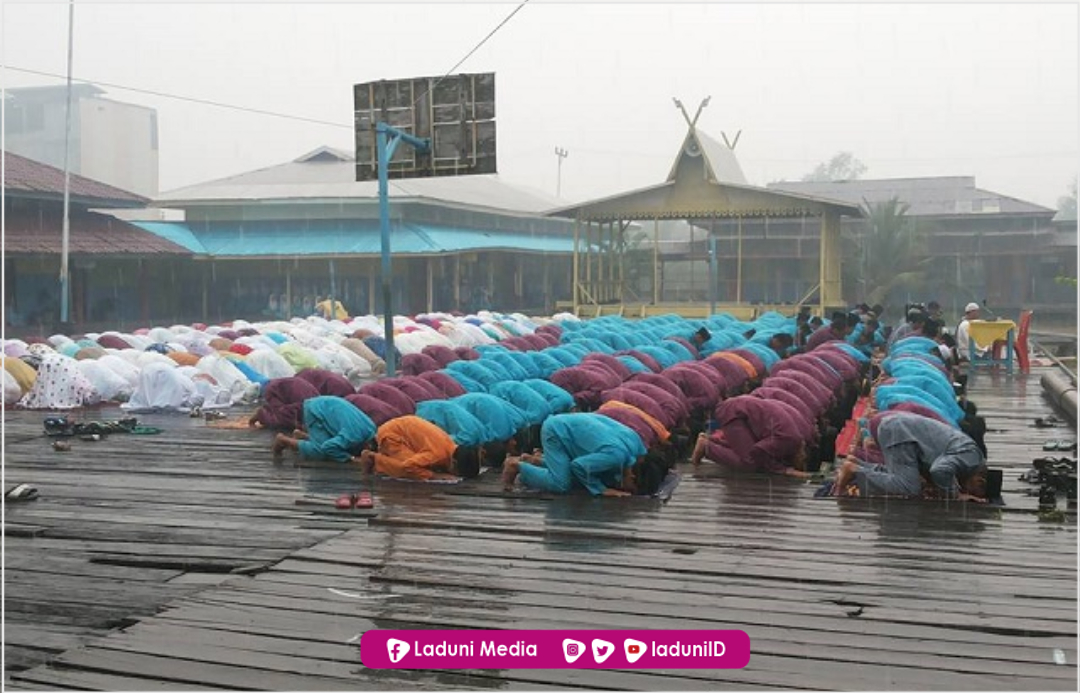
65, 232
562, 154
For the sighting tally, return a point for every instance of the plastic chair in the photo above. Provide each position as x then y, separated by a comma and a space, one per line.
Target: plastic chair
1021, 346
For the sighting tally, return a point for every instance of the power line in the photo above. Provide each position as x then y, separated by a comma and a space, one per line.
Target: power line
249, 109
190, 99
476, 47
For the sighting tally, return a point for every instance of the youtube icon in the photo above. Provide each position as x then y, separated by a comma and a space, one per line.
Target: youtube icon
634, 649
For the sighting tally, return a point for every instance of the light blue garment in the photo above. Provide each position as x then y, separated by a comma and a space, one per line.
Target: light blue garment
633, 364
336, 429
465, 381
464, 428
482, 373
557, 398
888, 396
503, 419
528, 400
665, 357
583, 450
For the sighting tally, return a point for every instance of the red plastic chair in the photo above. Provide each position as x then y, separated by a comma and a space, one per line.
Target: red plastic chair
1021, 344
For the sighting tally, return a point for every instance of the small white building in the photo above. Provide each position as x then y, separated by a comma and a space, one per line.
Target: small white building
111, 142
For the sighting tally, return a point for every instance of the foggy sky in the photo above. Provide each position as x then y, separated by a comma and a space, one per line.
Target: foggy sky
988, 90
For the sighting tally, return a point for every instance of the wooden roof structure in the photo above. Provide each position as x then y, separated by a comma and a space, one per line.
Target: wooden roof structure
704, 183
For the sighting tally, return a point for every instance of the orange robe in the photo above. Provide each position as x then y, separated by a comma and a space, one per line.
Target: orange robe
412, 448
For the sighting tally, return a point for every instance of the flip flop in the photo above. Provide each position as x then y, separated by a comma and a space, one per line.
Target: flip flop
345, 502
20, 493
145, 430
364, 501
1051, 445
1066, 446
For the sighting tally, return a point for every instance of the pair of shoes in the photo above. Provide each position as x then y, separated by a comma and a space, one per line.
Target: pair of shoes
359, 501
20, 493
1050, 421
59, 426
195, 412
1055, 465
1060, 445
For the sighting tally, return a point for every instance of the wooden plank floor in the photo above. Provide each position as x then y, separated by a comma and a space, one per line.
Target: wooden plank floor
865, 595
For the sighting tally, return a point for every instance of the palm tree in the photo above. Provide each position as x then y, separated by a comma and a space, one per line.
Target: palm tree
892, 255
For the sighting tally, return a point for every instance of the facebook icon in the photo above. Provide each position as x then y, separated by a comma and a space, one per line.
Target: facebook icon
396, 649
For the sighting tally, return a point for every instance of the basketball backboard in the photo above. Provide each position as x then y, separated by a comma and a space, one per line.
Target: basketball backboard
457, 113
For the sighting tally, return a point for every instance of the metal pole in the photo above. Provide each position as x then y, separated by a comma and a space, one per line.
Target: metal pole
66, 229
562, 154
384, 228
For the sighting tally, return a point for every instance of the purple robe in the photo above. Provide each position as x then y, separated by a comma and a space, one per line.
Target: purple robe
389, 393
758, 434
328, 383
379, 411
443, 383
283, 403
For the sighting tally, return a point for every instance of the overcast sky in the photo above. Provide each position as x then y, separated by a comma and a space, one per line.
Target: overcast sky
988, 90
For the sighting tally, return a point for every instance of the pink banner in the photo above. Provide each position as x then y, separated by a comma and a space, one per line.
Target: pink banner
555, 649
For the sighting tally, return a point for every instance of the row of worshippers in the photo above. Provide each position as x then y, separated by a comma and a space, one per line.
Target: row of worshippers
646, 396
767, 430
916, 434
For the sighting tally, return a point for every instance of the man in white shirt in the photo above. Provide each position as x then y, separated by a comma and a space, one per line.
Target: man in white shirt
963, 338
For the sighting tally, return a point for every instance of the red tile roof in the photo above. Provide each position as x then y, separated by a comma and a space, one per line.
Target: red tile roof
35, 179
27, 233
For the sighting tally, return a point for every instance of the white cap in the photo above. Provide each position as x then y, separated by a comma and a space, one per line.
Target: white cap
970, 307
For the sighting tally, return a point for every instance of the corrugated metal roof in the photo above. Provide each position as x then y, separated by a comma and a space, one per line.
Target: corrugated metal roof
177, 233
29, 178
91, 234
935, 196
344, 237
316, 176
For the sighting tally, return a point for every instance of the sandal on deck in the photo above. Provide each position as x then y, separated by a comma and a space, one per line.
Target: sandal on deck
20, 493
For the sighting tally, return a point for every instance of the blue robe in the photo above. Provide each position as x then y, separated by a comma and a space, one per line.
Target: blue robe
557, 398
528, 400
589, 451
462, 427
503, 419
336, 429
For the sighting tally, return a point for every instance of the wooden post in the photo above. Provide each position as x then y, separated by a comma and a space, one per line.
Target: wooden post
831, 289
577, 262
430, 283
656, 262
738, 269
205, 295
457, 281
599, 291
371, 289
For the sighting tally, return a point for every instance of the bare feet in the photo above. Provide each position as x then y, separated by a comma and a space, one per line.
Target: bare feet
844, 475
281, 442
511, 469
699, 448
367, 461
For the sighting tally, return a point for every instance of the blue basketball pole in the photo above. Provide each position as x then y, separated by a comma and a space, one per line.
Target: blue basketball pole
387, 140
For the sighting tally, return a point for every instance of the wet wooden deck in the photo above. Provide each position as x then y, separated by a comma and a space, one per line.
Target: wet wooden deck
117, 578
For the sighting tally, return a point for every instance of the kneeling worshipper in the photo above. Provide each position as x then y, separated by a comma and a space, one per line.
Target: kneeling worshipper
411, 448
283, 404
334, 429
589, 451
755, 435
915, 448
327, 382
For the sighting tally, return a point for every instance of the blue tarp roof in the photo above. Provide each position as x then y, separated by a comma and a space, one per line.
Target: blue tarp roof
344, 237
